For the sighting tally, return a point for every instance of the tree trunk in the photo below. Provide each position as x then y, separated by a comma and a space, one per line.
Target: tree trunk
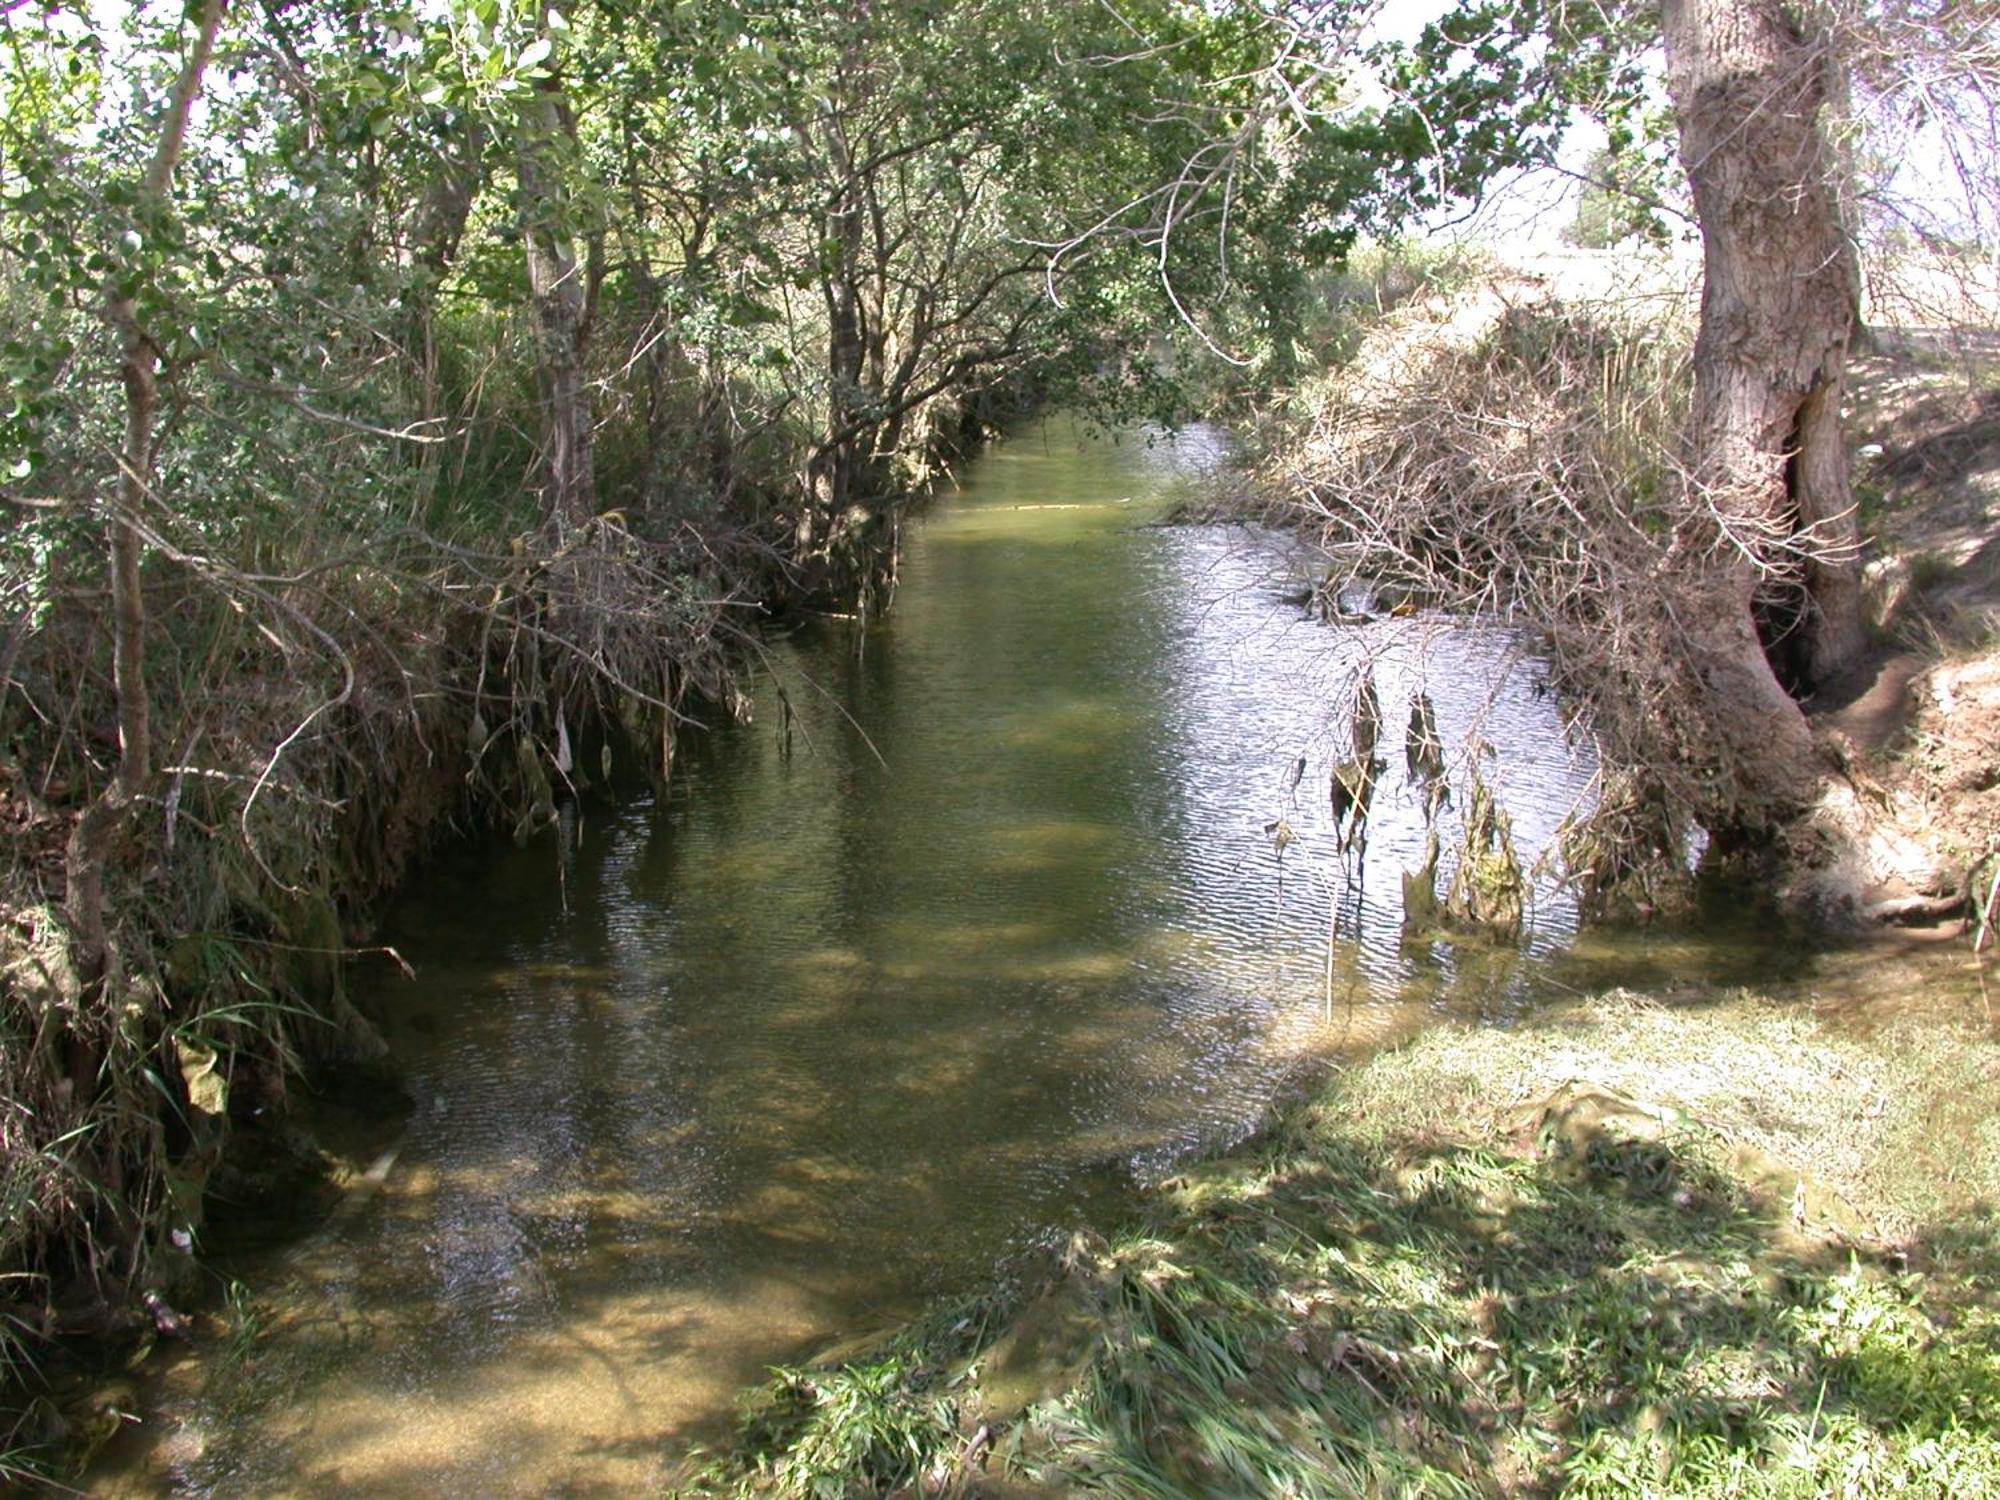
438, 227
1751, 81
562, 289
96, 832
847, 473
846, 332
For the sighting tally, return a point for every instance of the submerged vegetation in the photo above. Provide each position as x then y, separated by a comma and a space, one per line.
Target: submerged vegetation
1579, 1256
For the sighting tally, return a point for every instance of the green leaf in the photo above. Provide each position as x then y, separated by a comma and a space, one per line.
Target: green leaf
533, 54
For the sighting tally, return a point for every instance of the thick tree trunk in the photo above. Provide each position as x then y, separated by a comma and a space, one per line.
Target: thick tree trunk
1751, 82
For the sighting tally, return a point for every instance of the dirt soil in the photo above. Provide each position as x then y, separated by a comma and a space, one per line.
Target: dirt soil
1916, 728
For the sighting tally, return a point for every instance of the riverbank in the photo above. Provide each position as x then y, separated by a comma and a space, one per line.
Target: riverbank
1727, 1247
158, 1074
1479, 416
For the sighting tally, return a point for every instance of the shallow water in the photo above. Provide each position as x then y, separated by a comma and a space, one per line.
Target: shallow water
995, 925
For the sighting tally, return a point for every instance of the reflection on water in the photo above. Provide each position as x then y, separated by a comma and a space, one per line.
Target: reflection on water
827, 1029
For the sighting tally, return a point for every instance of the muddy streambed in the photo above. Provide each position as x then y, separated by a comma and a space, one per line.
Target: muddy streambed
997, 924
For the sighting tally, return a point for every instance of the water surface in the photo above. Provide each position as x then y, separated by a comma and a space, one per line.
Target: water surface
995, 922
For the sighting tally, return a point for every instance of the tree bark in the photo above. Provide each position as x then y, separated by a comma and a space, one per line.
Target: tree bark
562, 293
437, 229
1751, 83
840, 461
96, 831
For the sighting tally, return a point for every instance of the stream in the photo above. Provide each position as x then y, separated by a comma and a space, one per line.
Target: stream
1028, 899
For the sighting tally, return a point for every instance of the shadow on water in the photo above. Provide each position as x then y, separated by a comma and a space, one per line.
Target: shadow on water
830, 1026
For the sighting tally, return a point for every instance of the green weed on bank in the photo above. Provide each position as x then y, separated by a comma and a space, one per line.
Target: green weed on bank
1351, 1310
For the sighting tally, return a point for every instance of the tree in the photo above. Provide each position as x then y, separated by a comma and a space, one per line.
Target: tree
90, 842
1758, 589
1752, 81
1692, 574
1765, 556
563, 245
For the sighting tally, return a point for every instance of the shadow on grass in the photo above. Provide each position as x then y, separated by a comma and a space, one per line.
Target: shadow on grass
1589, 1311
1948, 454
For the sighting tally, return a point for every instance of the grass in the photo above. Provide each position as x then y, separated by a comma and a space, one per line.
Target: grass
878, 1422
21, 1466
1411, 1288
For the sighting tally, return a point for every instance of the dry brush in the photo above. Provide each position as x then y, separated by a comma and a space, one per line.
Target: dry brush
1504, 453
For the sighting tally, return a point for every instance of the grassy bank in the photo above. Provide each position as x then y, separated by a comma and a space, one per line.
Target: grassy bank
1623, 1250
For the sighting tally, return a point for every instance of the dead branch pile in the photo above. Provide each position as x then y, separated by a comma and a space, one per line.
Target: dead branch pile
1503, 453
